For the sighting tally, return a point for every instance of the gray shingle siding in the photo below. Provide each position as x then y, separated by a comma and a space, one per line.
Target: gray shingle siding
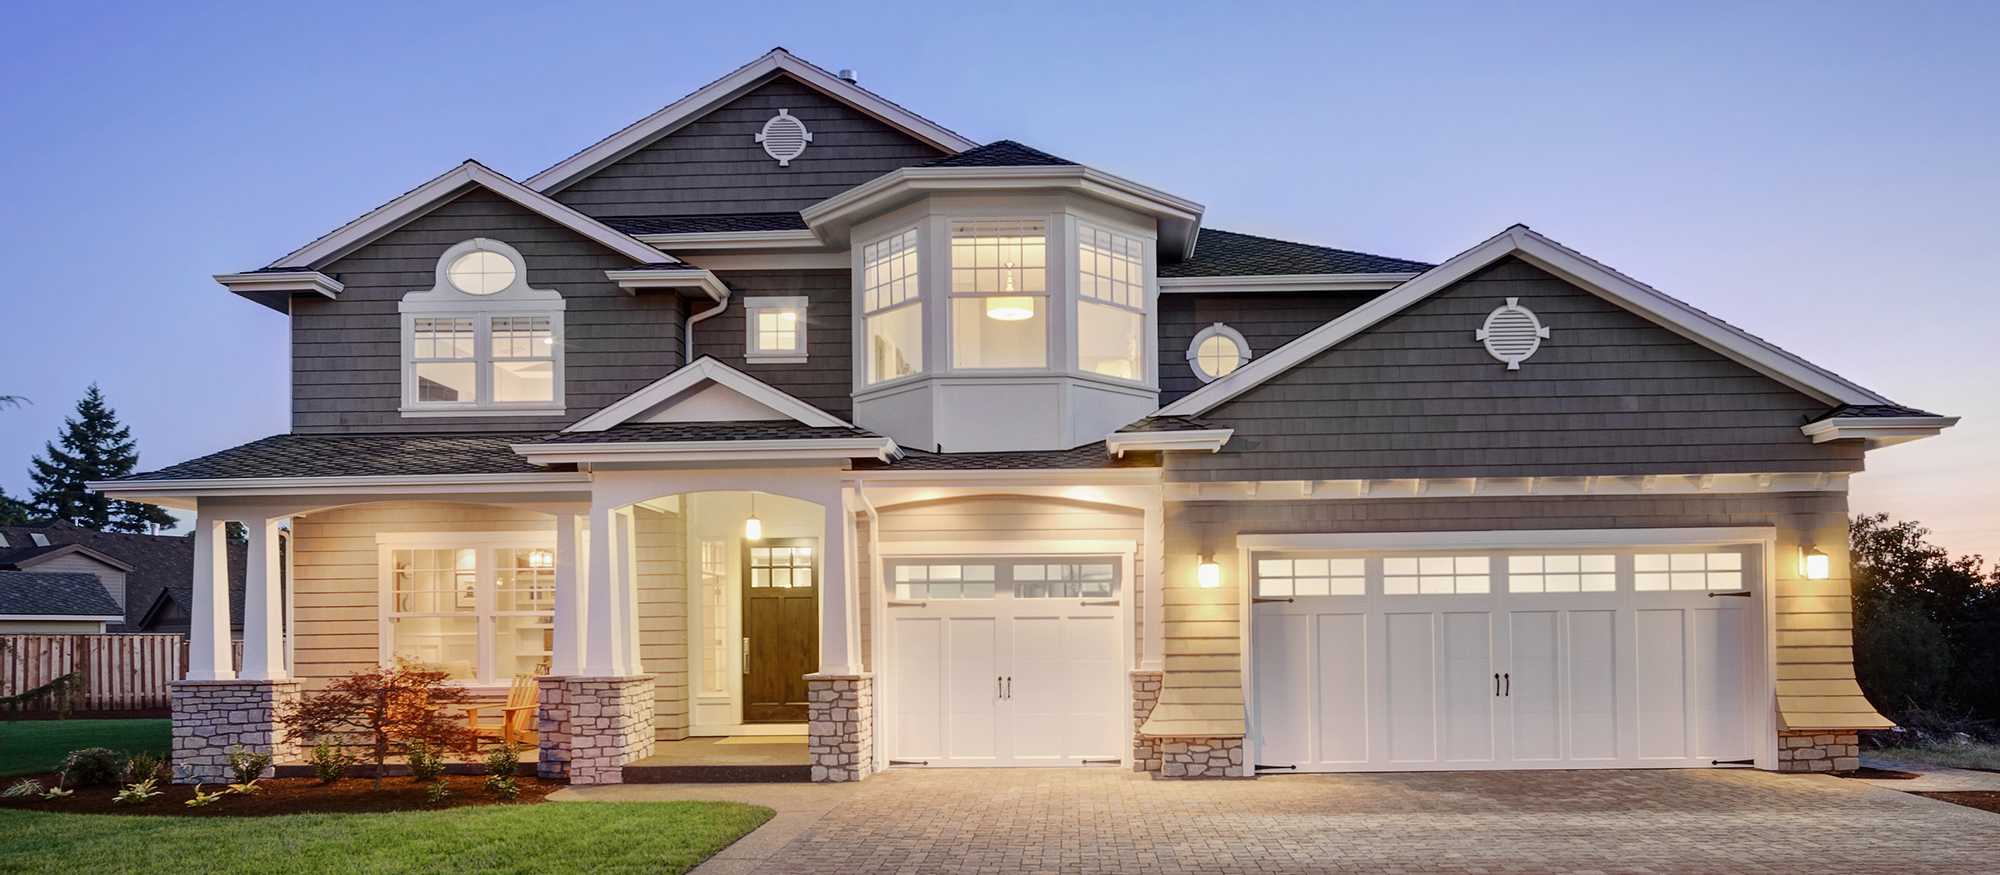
825, 380
715, 165
1266, 320
346, 353
1608, 393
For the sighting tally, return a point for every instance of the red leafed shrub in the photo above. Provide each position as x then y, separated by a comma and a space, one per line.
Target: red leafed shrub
394, 706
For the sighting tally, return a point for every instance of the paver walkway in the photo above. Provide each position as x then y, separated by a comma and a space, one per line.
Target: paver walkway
1086, 821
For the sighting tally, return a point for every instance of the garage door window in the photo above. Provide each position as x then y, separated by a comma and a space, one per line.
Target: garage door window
952, 581
1279, 578
1655, 572
1039, 581
1040, 578
1436, 575
1562, 574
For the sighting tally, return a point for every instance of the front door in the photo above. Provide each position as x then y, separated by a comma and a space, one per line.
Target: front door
780, 627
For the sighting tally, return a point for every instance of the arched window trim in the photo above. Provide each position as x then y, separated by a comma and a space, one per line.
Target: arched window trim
1216, 330
518, 301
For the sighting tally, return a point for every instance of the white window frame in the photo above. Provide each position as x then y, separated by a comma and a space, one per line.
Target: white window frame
753, 350
913, 283
1138, 286
445, 301
484, 614
1216, 330
1049, 297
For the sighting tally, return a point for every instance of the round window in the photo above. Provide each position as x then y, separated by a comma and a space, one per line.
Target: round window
481, 272
1217, 352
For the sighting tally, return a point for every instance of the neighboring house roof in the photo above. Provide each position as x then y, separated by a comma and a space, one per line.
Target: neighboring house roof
1227, 253
56, 594
668, 432
1000, 153
355, 455
707, 224
1091, 455
160, 565
28, 557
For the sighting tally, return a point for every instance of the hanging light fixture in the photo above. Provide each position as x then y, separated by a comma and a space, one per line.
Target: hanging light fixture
1010, 308
541, 559
753, 528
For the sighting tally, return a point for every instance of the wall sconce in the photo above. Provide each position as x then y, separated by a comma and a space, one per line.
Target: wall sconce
1814, 564
1209, 574
753, 528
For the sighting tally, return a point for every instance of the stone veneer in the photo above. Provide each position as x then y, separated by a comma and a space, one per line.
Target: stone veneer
588, 728
1145, 694
212, 717
1822, 751
840, 711
1202, 758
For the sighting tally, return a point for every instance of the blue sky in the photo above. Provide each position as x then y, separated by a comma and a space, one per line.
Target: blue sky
1821, 174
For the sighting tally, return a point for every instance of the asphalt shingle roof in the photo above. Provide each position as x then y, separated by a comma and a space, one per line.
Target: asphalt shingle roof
1227, 253
350, 455
54, 593
759, 430
706, 224
1091, 455
160, 563
1167, 423
1001, 153
1876, 411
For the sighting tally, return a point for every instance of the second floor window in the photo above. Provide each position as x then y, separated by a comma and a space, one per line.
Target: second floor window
775, 329
892, 306
1110, 302
999, 295
481, 341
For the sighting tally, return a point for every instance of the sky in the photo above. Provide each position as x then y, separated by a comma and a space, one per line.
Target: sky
1824, 175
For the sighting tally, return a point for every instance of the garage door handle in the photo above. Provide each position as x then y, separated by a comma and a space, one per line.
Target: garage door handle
1265, 599
1496, 683
999, 692
1739, 594
1509, 678
1109, 604
1010, 687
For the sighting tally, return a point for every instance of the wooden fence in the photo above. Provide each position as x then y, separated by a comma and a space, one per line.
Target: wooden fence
119, 672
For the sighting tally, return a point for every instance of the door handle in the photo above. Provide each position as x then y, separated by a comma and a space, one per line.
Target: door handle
1509, 678
746, 654
999, 692
1496, 683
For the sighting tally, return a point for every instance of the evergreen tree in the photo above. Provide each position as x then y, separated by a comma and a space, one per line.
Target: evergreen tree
93, 446
13, 511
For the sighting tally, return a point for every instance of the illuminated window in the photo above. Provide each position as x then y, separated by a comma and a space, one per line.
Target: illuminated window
1562, 574
775, 329
1436, 575
715, 617
1217, 351
481, 341
443, 361
999, 295
481, 614
1111, 302
1656, 572
1278, 578
891, 297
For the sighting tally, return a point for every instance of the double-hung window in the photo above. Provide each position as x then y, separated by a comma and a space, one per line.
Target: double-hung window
892, 307
481, 341
775, 330
480, 608
999, 295
1110, 302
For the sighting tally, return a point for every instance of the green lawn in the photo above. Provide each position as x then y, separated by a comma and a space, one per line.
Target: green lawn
663, 837
30, 746
1957, 756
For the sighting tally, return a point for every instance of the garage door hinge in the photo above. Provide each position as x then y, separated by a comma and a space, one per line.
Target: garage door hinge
1740, 594
1264, 768
1266, 599
909, 762
1732, 762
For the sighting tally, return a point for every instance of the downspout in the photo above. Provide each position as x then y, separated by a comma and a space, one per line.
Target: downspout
688, 345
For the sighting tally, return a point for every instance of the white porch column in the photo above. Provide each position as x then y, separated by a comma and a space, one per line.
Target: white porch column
208, 629
569, 620
604, 650
839, 653
628, 590
263, 607
1152, 594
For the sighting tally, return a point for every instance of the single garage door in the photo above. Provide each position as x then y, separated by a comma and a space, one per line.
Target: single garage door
1504, 659
1005, 662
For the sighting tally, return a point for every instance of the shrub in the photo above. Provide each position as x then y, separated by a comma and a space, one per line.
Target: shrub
57, 792
201, 799
436, 793
503, 762
248, 765
139, 791
22, 789
426, 764
503, 787
92, 767
143, 767
393, 706
330, 761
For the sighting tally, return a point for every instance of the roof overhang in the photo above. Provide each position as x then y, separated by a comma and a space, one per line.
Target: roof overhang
182, 493
1209, 440
669, 118
1287, 282
703, 452
274, 288
791, 239
67, 618
704, 370
832, 219
695, 278
1877, 431
72, 550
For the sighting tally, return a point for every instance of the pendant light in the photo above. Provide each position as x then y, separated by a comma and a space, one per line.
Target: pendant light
753, 528
1010, 308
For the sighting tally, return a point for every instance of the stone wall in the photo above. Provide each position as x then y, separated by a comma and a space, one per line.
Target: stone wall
212, 717
589, 728
1202, 758
1145, 694
840, 711
1809, 751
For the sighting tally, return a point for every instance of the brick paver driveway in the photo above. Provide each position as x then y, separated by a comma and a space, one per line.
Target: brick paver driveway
1625, 821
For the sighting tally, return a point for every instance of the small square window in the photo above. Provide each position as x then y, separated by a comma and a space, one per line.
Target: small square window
774, 330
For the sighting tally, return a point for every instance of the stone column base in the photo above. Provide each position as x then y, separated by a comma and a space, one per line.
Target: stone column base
588, 728
1202, 758
1146, 755
210, 718
1822, 751
840, 713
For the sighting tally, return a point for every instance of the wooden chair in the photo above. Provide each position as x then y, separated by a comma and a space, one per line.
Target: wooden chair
517, 716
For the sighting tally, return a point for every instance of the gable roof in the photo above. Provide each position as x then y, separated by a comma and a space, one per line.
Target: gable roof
777, 61
56, 594
158, 563
1521, 241
444, 186
31, 556
705, 370
1228, 253
728, 223
1000, 153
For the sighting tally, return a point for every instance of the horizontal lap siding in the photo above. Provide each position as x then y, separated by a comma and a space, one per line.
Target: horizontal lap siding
347, 353
336, 573
660, 546
825, 379
714, 165
1266, 321
1607, 393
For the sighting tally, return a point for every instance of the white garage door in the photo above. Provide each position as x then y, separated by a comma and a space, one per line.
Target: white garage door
1005, 662
1510, 659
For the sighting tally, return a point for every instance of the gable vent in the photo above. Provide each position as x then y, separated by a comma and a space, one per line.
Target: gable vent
784, 137
1511, 333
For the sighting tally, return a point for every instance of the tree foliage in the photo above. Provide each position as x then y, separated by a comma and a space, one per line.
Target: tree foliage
93, 445
394, 707
1927, 624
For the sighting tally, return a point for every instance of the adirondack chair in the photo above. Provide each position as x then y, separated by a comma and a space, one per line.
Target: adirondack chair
517, 716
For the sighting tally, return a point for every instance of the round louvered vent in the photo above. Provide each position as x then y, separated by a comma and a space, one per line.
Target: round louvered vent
784, 137
1511, 333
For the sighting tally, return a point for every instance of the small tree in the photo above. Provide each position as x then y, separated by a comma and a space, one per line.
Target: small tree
394, 706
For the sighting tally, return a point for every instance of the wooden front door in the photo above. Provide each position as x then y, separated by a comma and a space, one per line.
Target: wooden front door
780, 627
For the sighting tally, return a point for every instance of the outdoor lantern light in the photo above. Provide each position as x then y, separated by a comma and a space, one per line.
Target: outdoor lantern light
1011, 308
1210, 574
1814, 564
753, 528
541, 559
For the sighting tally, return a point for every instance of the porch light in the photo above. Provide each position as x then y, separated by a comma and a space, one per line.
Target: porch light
1010, 308
1814, 564
753, 528
541, 559
1209, 575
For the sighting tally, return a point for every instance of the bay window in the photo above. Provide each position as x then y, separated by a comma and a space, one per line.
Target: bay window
999, 295
482, 342
892, 307
482, 609
1110, 302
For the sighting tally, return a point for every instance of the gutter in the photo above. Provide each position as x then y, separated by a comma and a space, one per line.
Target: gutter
688, 345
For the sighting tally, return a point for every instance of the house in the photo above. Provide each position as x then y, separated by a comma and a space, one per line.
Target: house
54, 603
786, 410
147, 577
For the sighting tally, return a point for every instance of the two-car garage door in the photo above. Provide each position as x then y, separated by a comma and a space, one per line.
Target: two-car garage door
1396, 660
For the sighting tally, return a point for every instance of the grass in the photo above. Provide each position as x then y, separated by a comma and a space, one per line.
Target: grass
31, 746
552, 837
1956, 756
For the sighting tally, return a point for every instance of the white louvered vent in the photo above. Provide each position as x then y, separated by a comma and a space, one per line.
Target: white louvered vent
1512, 333
784, 137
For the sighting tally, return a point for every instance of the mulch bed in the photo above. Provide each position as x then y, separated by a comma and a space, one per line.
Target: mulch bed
1984, 800
288, 796
1876, 774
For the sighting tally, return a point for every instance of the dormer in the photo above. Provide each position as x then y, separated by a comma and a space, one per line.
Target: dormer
1004, 307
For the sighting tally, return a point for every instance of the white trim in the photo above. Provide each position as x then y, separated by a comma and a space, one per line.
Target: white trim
769, 260
1209, 439
1494, 487
418, 200
686, 109
795, 238
1179, 219
178, 492
782, 450
270, 287
972, 549
705, 370
677, 278
64, 618
799, 303
892, 478
1286, 282
1217, 330
1510, 538
1878, 431
1521, 241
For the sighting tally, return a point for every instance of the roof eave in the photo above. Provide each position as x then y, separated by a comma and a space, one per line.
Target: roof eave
274, 289
1877, 431
678, 452
1193, 440
182, 493
1285, 282
702, 280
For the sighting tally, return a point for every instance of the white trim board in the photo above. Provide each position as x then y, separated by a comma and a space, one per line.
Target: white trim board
1511, 538
705, 370
1519, 240
1206, 440
1495, 487
1288, 282
784, 450
62, 618
672, 116
798, 238
705, 280
1878, 431
421, 199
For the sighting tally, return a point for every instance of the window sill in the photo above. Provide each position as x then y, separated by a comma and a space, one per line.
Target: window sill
447, 412
774, 359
